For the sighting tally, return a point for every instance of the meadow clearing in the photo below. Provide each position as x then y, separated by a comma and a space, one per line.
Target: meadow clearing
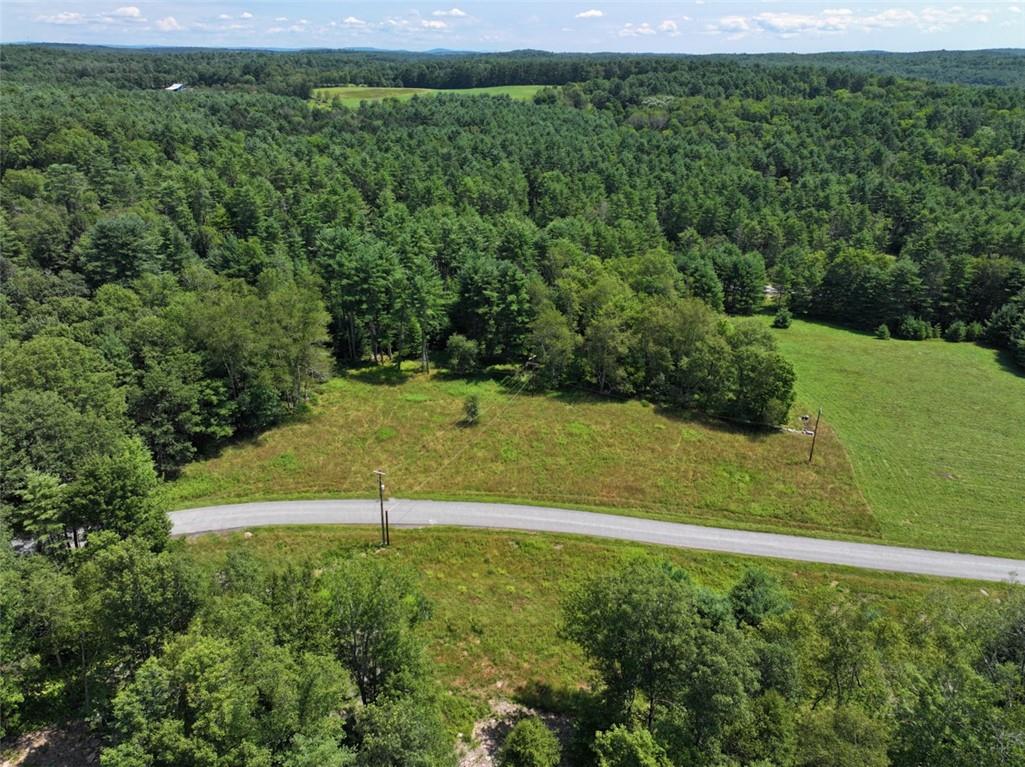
935, 432
354, 95
562, 449
921, 445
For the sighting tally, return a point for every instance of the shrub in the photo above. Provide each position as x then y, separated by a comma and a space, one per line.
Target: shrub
973, 331
620, 747
956, 331
883, 332
530, 744
782, 319
914, 329
471, 410
463, 354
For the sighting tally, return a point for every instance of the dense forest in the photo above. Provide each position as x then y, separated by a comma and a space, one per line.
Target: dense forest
181, 269
988, 67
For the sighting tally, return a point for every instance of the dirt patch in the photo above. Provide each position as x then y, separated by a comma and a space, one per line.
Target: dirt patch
489, 733
73, 746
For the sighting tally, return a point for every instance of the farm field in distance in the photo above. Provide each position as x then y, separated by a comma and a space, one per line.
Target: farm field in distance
353, 95
496, 596
573, 449
934, 431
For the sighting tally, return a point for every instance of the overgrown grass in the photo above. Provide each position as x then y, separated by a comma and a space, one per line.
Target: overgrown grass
496, 597
574, 450
353, 95
935, 431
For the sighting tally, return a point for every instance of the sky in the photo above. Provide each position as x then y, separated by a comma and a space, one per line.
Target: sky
687, 26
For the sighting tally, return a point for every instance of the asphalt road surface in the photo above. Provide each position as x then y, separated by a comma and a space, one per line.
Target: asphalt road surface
500, 516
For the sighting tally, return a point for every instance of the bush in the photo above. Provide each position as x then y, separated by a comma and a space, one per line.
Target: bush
782, 319
471, 410
955, 332
883, 332
530, 744
463, 354
973, 331
620, 747
914, 329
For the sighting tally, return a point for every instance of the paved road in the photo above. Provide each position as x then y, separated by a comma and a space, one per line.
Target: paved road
511, 517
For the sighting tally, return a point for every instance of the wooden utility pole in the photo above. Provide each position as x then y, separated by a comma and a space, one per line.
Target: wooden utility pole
814, 436
380, 493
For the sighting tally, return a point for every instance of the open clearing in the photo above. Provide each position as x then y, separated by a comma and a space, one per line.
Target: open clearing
352, 95
571, 450
935, 431
496, 597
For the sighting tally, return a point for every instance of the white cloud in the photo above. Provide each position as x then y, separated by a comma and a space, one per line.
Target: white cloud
127, 14
593, 13
670, 27
352, 21
432, 24
636, 30
731, 24
281, 18
456, 12
169, 24
835, 20
64, 17
245, 15
1014, 9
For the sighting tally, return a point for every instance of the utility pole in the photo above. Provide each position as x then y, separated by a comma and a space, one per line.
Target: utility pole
814, 436
380, 493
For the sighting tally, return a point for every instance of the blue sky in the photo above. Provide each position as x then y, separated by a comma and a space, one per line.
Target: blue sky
690, 26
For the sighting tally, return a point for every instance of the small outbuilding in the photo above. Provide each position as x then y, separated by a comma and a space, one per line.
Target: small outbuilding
175, 87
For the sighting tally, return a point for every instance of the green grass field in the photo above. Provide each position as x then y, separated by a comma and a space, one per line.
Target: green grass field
935, 431
496, 596
353, 95
555, 449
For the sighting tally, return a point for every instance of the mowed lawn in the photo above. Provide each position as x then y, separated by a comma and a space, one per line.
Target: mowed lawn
935, 431
352, 95
496, 597
573, 450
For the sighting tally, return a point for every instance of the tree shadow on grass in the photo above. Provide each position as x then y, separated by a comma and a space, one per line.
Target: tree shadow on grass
753, 432
499, 374
378, 375
1006, 361
543, 697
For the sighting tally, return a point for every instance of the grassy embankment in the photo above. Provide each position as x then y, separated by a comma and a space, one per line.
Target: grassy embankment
496, 597
574, 450
935, 432
352, 95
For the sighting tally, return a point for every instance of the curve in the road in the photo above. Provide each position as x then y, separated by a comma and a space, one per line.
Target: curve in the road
542, 519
